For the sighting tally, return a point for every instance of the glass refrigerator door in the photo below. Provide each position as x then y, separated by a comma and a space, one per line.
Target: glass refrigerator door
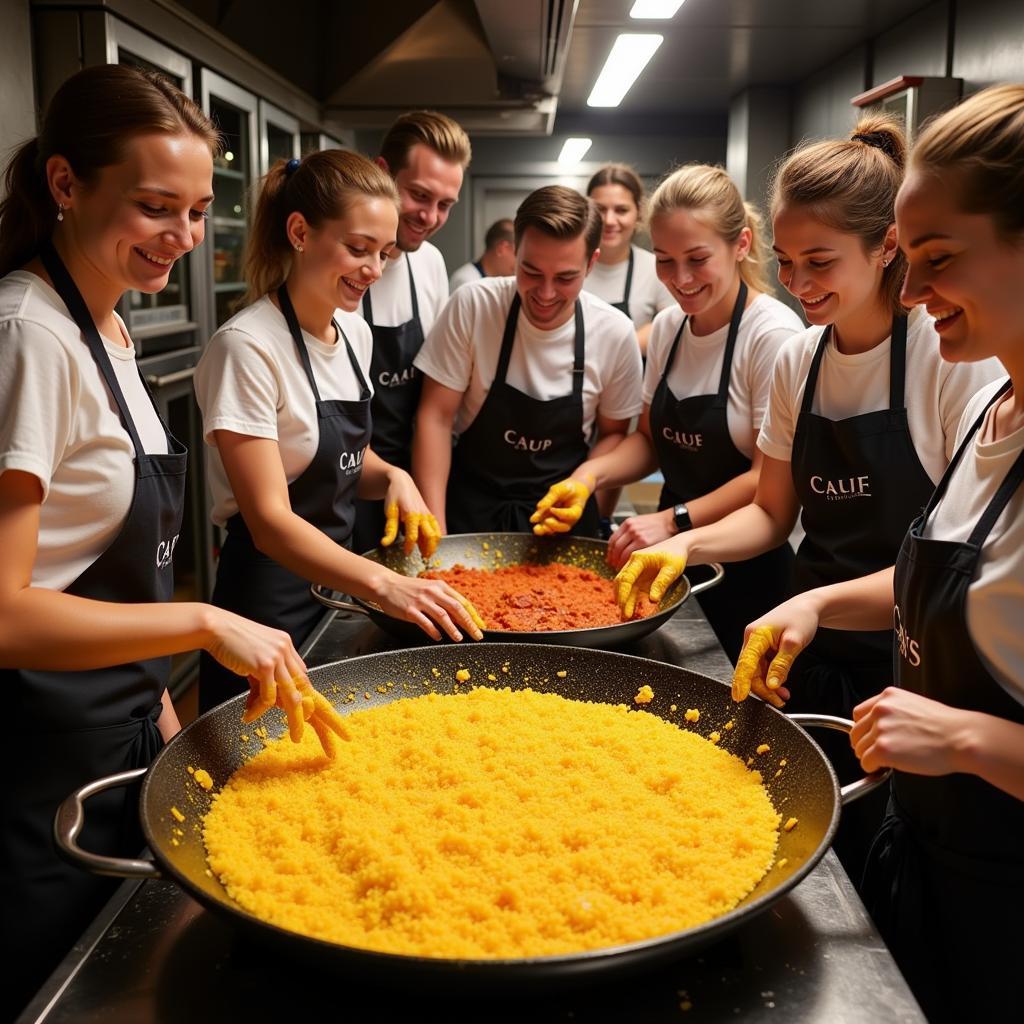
233, 110
156, 321
279, 136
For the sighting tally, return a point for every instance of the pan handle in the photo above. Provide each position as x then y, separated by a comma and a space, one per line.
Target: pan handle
699, 588
853, 790
326, 596
71, 817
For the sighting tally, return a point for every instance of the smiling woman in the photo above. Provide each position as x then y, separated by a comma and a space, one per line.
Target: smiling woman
284, 391
112, 192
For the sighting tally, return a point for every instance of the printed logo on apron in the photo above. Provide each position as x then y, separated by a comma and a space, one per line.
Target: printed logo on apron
840, 490
527, 444
690, 442
396, 378
908, 647
352, 462
165, 552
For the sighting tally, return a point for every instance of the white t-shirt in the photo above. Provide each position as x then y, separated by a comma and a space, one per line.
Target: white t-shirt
995, 598
250, 381
647, 295
466, 274
390, 298
59, 422
849, 385
765, 326
462, 352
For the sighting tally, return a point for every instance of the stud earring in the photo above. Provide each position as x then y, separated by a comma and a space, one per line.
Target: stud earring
60, 211
298, 248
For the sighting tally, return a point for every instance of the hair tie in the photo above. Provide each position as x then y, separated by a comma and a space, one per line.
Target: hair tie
292, 166
877, 140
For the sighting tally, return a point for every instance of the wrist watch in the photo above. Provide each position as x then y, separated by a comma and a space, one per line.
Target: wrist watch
681, 518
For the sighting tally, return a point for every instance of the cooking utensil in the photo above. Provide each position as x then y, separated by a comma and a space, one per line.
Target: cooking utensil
805, 788
498, 550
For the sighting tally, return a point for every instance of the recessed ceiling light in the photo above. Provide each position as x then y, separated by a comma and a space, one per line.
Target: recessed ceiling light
660, 10
573, 151
629, 56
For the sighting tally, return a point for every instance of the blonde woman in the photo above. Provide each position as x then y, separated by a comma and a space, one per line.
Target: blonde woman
705, 391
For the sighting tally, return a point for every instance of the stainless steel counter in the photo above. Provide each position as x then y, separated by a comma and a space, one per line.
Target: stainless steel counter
154, 955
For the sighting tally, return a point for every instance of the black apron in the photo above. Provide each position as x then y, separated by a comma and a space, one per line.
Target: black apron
479, 264
396, 395
945, 877
254, 585
697, 455
516, 448
623, 306
68, 728
861, 483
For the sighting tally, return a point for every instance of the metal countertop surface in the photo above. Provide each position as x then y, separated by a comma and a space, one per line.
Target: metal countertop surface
154, 955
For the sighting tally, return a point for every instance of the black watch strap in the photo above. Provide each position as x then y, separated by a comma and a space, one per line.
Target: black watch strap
682, 518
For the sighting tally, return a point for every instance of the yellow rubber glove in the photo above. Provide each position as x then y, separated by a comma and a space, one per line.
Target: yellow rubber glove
430, 534
749, 676
560, 509
390, 525
646, 572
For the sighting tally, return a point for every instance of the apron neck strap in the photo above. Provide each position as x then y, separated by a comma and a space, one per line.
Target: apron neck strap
66, 288
730, 342
479, 264
509, 337
368, 302
897, 365
943, 483
629, 277
295, 330
1000, 500
364, 389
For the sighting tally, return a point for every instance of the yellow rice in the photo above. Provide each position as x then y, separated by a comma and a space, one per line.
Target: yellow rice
493, 824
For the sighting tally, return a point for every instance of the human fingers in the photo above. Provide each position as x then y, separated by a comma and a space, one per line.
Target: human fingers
626, 579
758, 643
426, 624
759, 689
390, 525
289, 699
670, 570
324, 735
430, 535
411, 527
255, 704
328, 716
466, 614
550, 497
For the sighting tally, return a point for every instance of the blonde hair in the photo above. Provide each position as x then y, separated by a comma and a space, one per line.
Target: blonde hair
90, 120
560, 212
428, 128
710, 192
851, 185
322, 186
982, 142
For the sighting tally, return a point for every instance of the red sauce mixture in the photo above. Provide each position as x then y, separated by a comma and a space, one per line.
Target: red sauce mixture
537, 598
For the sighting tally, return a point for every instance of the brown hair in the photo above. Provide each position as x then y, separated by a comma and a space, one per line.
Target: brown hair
619, 174
89, 121
560, 212
500, 231
982, 142
444, 136
321, 186
851, 185
711, 193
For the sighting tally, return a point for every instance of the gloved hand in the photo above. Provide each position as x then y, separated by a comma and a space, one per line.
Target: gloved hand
560, 509
652, 572
301, 703
752, 677
419, 528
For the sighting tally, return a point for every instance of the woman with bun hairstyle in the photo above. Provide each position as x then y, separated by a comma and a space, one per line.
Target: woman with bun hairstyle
705, 387
624, 274
860, 425
113, 191
285, 396
945, 876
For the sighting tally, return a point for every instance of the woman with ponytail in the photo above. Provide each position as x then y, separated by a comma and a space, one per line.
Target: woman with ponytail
285, 396
705, 389
113, 191
860, 426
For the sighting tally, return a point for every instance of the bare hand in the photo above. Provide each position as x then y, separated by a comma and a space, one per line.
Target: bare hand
639, 532
903, 730
427, 602
560, 509
404, 502
649, 572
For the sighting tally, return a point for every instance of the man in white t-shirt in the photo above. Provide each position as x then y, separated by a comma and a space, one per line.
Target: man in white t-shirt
498, 259
524, 371
426, 153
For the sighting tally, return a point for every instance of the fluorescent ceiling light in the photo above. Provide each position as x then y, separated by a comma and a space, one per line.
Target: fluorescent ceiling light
628, 58
660, 10
573, 151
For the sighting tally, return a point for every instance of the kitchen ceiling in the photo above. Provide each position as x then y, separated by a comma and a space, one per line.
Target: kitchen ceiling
505, 66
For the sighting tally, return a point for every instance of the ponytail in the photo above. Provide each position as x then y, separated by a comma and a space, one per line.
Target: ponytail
27, 212
321, 186
753, 268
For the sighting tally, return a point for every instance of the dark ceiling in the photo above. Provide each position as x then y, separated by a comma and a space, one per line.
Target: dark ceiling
402, 53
